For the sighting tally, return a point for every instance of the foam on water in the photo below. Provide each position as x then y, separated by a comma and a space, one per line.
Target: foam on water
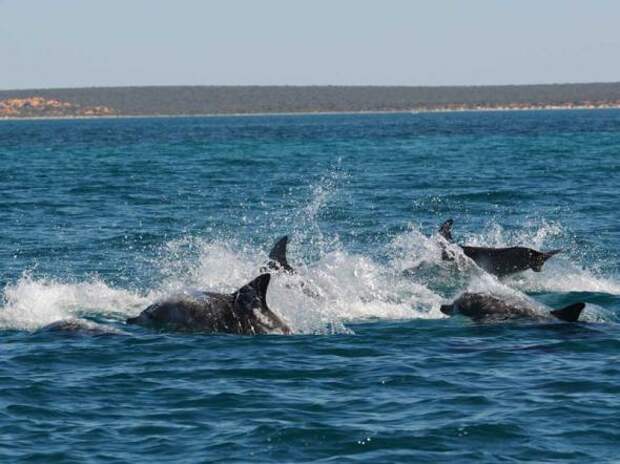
419, 256
533, 234
321, 298
324, 296
562, 273
564, 276
31, 303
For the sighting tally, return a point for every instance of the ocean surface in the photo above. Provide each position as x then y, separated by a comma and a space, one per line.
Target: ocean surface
100, 218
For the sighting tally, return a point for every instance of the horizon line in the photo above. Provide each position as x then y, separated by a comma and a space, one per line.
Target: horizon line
463, 86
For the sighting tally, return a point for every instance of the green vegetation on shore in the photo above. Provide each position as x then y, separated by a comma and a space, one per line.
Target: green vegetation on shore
193, 100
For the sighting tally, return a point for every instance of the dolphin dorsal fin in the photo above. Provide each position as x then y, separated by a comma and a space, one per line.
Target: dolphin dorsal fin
570, 313
446, 230
258, 287
278, 255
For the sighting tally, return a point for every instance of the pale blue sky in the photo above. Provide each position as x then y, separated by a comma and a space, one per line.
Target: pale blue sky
68, 43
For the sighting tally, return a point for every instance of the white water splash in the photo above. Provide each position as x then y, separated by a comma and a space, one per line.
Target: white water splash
561, 274
30, 303
322, 298
333, 290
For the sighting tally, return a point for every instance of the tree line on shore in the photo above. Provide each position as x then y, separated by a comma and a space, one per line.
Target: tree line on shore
188, 100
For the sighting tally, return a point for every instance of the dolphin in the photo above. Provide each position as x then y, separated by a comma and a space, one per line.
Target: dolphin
244, 312
484, 306
499, 261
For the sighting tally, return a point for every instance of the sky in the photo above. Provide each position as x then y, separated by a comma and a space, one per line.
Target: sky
85, 43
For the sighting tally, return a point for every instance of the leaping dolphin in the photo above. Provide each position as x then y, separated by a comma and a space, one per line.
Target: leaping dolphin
499, 261
483, 306
244, 312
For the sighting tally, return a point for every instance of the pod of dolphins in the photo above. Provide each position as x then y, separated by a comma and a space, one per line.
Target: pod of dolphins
245, 312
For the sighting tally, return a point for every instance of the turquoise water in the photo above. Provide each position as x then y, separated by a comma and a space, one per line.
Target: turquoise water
102, 217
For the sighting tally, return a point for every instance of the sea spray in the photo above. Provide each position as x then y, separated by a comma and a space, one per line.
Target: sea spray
33, 302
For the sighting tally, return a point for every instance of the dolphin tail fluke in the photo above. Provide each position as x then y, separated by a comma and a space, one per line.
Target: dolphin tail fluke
570, 313
549, 254
277, 255
446, 230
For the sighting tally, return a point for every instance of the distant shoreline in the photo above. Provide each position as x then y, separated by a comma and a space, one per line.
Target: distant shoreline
315, 113
184, 101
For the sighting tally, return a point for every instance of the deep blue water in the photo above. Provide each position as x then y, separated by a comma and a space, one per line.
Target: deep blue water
99, 218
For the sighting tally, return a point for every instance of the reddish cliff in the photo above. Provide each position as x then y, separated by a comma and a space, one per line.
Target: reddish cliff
48, 107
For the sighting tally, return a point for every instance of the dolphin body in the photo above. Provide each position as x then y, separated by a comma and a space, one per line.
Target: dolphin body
499, 261
486, 307
244, 312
